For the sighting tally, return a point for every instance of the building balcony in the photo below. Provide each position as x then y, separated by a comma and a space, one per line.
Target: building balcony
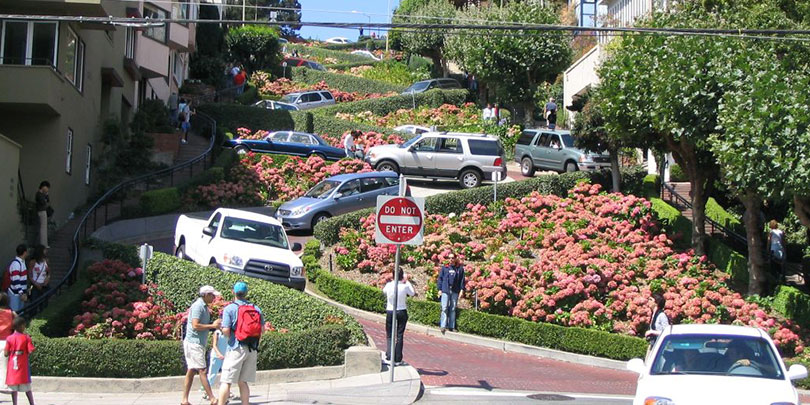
179, 37
40, 90
152, 58
88, 8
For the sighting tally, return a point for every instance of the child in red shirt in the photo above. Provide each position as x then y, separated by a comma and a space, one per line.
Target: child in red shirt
18, 347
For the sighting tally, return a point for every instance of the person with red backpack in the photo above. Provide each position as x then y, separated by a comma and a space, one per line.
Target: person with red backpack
242, 324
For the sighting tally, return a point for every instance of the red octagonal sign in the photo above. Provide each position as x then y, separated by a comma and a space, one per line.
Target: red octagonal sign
399, 220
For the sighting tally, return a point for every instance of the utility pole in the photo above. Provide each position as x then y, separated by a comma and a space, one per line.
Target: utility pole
388, 31
243, 11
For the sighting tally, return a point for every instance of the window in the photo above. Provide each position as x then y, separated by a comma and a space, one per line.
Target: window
156, 33
372, 183
69, 151
327, 95
392, 181
311, 97
129, 51
553, 141
180, 10
426, 145
279, 136
215, 222
542, 140
450, 145
485, 148
299, 138
351, 187
178, 68
74, 59
29, 43
525, 138
87, 164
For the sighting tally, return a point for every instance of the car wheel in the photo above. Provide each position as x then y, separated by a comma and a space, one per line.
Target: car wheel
387, 166
180, 253
319, 218
570, 167
320, 155
241, 150
527, 167
469, 179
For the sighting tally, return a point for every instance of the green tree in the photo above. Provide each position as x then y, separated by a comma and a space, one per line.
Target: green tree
590, 133
208, 62
255, 46
427, 42
516, 65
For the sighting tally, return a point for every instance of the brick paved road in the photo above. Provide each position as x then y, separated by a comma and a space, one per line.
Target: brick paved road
447, 363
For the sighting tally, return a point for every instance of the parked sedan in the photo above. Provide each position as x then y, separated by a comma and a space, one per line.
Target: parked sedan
338, 40
289, 143
335, 196
715, 364
275, 105
363, 52
309, 99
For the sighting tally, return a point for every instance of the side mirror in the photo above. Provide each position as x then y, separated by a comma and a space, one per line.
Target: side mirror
338, 195
636, 366
296, 247
208, 231
298, 101
412, 148
797, 372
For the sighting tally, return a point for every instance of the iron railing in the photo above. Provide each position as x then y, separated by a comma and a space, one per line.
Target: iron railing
715, 227
203, 124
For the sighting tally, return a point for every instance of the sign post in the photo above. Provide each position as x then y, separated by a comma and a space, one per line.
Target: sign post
400, 221
145, 254
496, 177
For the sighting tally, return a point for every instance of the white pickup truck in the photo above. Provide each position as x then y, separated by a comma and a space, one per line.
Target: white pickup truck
240, 242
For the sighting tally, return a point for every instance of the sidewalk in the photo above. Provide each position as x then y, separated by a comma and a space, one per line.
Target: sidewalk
363, 389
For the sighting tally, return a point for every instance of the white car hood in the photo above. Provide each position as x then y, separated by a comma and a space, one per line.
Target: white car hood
381, 148
707, 389
248, 251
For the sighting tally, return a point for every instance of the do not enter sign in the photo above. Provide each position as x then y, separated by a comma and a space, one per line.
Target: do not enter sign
400, 220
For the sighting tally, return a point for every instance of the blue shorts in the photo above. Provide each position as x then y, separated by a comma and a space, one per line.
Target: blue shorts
185, 126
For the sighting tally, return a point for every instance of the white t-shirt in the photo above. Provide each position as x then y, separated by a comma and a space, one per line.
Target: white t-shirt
487, 114
661, 322
38, 272
777, 244
348, 141
235, 71
405, 289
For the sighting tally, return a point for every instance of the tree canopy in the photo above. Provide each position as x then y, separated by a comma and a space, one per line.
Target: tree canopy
255, 46
426, 42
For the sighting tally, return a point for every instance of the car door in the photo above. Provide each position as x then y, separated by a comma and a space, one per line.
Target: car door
200, 250
313, 100
554, 152
348, 197
328, 99
299, 144
539, 150
448, 158
371, 188
418, 159
278, 142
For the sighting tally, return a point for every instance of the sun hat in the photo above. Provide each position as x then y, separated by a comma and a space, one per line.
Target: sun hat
207, 289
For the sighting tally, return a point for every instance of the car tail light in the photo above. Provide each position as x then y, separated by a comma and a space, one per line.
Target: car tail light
498, 162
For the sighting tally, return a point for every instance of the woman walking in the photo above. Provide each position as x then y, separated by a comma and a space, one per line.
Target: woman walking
40, 273
404, 289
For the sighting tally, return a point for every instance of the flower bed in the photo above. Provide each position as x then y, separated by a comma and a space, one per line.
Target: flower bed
444, 115
282, 86
259, 179
590, 260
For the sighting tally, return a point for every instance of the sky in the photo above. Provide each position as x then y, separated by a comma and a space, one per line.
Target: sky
341, 11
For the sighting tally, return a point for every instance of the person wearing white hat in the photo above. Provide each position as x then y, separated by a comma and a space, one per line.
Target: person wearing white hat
197, 327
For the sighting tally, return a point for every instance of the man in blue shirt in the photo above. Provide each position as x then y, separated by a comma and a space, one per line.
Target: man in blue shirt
240, 361
197, 327
451, 284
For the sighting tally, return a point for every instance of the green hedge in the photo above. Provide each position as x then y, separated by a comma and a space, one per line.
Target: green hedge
729, 261
308, 52
575, 340
717, 213
792, 303
347, 66
160, 201
233, 116
368, 43
651, 186
343, 82
385, 105
282, 306
327, 231
249, 96
672, 221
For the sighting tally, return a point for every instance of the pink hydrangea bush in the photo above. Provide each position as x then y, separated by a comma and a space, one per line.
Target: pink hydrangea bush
282, 86
590, 260
444, 115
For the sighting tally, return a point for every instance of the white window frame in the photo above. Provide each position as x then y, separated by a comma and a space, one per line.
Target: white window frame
69, 152
78, 62
29, 40
88, 163
129, 43
148, 32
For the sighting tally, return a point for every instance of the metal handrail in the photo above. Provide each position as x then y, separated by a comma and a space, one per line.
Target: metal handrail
31, 308
714, 224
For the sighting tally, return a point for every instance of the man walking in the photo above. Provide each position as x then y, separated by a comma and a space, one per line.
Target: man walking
242, 325
451, 284
44, 210
551, 113
197, 328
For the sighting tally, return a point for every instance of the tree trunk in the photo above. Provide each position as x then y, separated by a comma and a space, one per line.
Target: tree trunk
700, 180
615, 170
801, 205
528, 118
757, 281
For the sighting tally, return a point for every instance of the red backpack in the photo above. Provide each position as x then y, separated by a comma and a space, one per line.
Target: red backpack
249, 326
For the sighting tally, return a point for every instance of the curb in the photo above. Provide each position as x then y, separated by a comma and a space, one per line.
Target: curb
507, 346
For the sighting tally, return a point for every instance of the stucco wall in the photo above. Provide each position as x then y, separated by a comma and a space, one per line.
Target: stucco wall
11, 230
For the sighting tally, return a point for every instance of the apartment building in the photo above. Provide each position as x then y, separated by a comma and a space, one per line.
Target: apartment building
59, 81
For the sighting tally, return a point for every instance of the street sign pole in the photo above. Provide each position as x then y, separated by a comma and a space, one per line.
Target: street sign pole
394, 314
496, 177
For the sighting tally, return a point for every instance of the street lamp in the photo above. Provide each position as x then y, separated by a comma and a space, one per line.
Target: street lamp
360, 12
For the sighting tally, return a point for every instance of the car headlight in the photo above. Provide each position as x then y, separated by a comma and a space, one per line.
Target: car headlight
585, 159
297, 271
372, 155
783, 403
301, 211
658, 401
232, 260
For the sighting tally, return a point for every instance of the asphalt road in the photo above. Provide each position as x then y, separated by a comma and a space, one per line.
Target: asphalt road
453, 395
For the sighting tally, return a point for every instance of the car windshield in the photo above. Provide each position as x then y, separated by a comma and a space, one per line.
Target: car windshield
409, 142
322, 189
725, 355
289, 98
246, 230
567, 140
280, 106
417, 86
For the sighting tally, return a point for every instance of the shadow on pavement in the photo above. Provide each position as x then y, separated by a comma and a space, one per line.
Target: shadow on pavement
423, 371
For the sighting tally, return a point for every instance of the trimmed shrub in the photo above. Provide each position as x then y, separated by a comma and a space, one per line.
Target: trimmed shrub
343, 82
651, 186
313, 53
674, 223
367, 43
160, 201
346, 66
717, 213
233, 116
729, 261
114, 251
792, 303
382, 106
329, 125
575, 340
282, 306
249, 96
676, 174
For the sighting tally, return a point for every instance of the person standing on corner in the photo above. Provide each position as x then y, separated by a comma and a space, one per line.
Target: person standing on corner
776, 246
486, 114
659, 320
44, 211
185, 119
6, 329
348, 144
405, 289
39, 274
451, 284
551, 113
17, 279
197, 327
242, 324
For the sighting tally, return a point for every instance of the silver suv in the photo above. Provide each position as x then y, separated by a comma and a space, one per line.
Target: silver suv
309, 99
470, 158
554, 150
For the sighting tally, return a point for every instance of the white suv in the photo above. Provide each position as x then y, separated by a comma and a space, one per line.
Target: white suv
470, 158
309, 99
